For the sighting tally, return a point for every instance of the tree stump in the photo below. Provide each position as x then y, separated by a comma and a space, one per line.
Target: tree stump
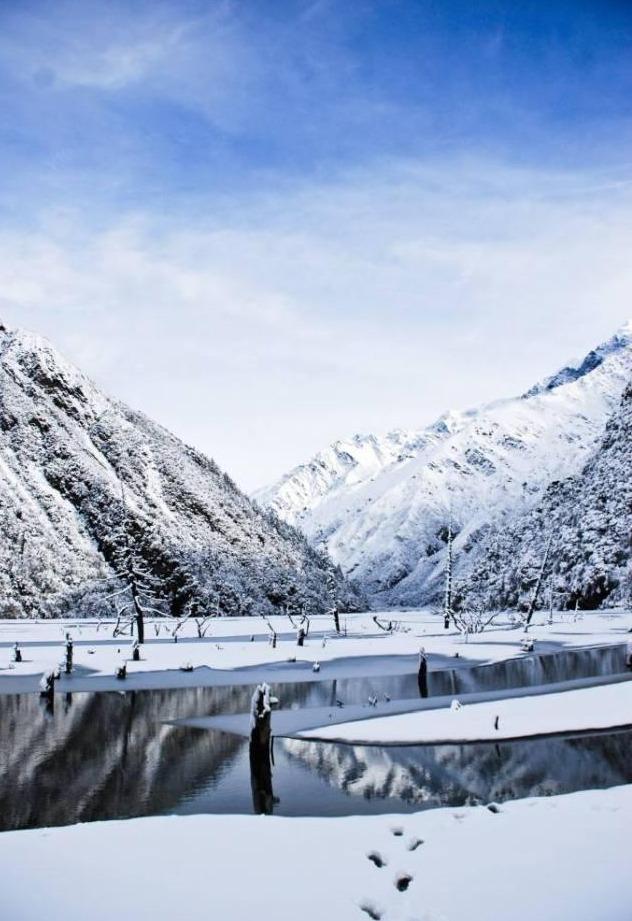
69, 652
422, 675
47, 685
260, 751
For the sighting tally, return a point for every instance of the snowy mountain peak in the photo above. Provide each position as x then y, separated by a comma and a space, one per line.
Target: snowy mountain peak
379, 504
621, 340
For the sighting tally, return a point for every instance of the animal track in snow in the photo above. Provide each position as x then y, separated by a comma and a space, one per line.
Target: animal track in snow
403, 881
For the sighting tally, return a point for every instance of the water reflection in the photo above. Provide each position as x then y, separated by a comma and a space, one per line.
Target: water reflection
458, 775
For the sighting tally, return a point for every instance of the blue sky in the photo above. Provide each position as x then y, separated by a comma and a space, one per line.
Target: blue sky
271, 224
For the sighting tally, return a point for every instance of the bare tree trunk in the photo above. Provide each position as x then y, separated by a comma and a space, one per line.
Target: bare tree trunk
140, 620
422, 675
333, 598
447, 606
538, 584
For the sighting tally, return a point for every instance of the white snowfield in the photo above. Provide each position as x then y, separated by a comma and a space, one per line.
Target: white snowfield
606, 707
227, 655
564, 858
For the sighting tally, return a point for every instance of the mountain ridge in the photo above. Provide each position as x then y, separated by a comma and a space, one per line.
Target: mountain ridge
385, 523
75, 462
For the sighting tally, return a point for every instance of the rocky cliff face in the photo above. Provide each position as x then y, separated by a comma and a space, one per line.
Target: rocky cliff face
74, 464
381, 504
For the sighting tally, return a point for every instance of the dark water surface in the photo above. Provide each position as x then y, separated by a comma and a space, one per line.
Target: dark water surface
111, 755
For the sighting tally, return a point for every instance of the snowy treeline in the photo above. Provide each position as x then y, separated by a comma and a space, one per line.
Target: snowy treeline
587, 521
82, 475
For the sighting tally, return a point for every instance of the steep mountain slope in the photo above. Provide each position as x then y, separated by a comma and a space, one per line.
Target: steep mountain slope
381, 505
76, 467
586, 519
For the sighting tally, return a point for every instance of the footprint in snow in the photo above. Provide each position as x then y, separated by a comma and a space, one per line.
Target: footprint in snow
403, 881
376, 858
371, 910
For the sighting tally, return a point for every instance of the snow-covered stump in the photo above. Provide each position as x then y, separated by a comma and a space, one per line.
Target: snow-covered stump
300, 636
47, 689
17, 653
422, 674
69, 653
120, 671
261, 751
135, 651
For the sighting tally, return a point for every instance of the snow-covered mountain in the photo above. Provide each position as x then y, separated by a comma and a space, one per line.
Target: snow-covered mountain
75, 465
381, 504
585, 520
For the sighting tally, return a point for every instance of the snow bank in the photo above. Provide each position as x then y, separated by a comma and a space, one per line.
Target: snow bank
561, 859
587, 709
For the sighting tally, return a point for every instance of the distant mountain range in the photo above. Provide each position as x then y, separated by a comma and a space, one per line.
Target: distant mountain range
76, 466
381, 505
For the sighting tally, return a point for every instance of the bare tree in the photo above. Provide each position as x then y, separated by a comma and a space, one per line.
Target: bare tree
538, 584
448, 613
332, 591
473, 619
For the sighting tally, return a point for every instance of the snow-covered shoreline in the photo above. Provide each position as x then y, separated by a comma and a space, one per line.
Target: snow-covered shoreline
588, 709
237, 650
562, 858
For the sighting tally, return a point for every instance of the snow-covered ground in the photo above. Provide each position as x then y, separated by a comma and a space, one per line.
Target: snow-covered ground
562, 858
587, 709
228, 655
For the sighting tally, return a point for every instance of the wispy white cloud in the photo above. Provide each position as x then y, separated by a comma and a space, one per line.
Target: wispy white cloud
89, 45
262, 330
